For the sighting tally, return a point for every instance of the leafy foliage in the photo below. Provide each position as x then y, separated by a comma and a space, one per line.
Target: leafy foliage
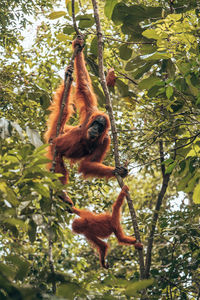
154, 48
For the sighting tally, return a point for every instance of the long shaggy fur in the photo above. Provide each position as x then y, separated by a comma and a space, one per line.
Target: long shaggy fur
97, 226
73, 142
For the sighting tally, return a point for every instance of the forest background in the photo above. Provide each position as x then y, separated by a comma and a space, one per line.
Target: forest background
153, 46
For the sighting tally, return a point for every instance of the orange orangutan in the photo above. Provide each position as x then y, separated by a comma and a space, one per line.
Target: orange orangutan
98, 226
88, 142
111, 78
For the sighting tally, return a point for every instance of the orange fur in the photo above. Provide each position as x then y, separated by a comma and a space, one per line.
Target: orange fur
96, 226
55, 110
74, 142
111, 78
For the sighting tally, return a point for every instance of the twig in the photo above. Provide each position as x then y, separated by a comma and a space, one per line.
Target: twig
108, 37
113, 128
130, 79
193, 138
74, 19
125, 76
171, 2
147, 163
51, 264
128, 43
161, 195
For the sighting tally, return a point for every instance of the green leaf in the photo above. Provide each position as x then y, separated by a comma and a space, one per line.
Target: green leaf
168, 161
12, 158
99, 93
132, 28
6, 270
69, 289
62, 37
125, 52
22, 266
45, 100
68, 29
193, 152
122, 87
134, 63
9, 194
170, 168
40, 161
192, 183
108, 8
151, 34
25, 151
56, 14
134, 288
137, 11
153, 12
154, 91
169, 91
40, 150
148, 48
170, 68
66, 2
93, 65
156, 56
41, 189
181, 84
94, 47
184, 181
85, 21
15, 222
198, 100
144, 69
150, 82
32, 231
120, 12
69, 8
196, 194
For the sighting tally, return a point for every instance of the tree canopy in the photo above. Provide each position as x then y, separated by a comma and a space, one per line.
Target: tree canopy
154, 49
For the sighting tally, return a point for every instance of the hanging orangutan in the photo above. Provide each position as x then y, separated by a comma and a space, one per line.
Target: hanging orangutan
98, 226
88, 142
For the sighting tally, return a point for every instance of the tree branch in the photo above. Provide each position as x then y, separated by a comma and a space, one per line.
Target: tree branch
128, 43
161, 195
67, 84
114, 130
74, 19
127, 77
51, 264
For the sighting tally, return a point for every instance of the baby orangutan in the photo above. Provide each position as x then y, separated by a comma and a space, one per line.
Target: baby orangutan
98, 226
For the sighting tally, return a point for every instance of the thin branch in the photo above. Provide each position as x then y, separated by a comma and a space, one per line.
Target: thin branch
193, 139
161, 195
67, 85
74, 18
171, 128
113, 128
147, 163
109, 37
127, 77
171, 2
162, 158
51, 264
128, 43
130, 79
